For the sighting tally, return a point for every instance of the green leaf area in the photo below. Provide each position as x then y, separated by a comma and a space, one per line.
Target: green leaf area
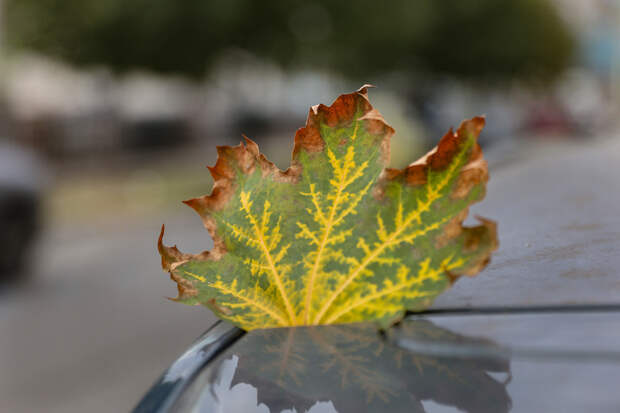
337, 237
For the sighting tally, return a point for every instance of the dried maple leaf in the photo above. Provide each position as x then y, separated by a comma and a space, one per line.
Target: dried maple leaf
337, 237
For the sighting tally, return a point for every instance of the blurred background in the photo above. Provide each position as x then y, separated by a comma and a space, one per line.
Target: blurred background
110, 110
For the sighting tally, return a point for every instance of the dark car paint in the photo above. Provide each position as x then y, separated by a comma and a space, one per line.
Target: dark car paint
500, 360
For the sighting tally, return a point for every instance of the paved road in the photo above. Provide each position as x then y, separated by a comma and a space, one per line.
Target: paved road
92, 330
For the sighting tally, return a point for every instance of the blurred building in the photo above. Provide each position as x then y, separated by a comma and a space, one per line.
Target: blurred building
68, 112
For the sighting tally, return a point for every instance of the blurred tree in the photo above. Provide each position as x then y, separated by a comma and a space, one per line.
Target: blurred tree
477, 38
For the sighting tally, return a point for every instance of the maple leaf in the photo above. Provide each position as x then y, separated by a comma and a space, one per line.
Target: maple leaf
337, 237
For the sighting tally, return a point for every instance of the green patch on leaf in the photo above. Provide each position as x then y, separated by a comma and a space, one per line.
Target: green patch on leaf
337, 237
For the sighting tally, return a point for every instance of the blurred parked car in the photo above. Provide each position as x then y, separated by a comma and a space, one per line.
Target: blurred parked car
21, 181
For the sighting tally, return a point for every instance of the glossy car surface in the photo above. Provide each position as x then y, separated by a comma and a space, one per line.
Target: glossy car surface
537, 331
486, 361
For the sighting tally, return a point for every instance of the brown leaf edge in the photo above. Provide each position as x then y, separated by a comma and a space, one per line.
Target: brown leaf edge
246, 158
474, 172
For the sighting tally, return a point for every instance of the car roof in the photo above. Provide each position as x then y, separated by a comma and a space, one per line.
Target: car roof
559, 230
537, 330
480, 362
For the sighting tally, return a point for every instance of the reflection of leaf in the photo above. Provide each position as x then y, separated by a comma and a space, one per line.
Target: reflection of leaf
337, 363
241, 397
352, 367
357, 370
337, 237
470, 386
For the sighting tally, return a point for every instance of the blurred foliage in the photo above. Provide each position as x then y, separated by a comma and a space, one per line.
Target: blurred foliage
476, 38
